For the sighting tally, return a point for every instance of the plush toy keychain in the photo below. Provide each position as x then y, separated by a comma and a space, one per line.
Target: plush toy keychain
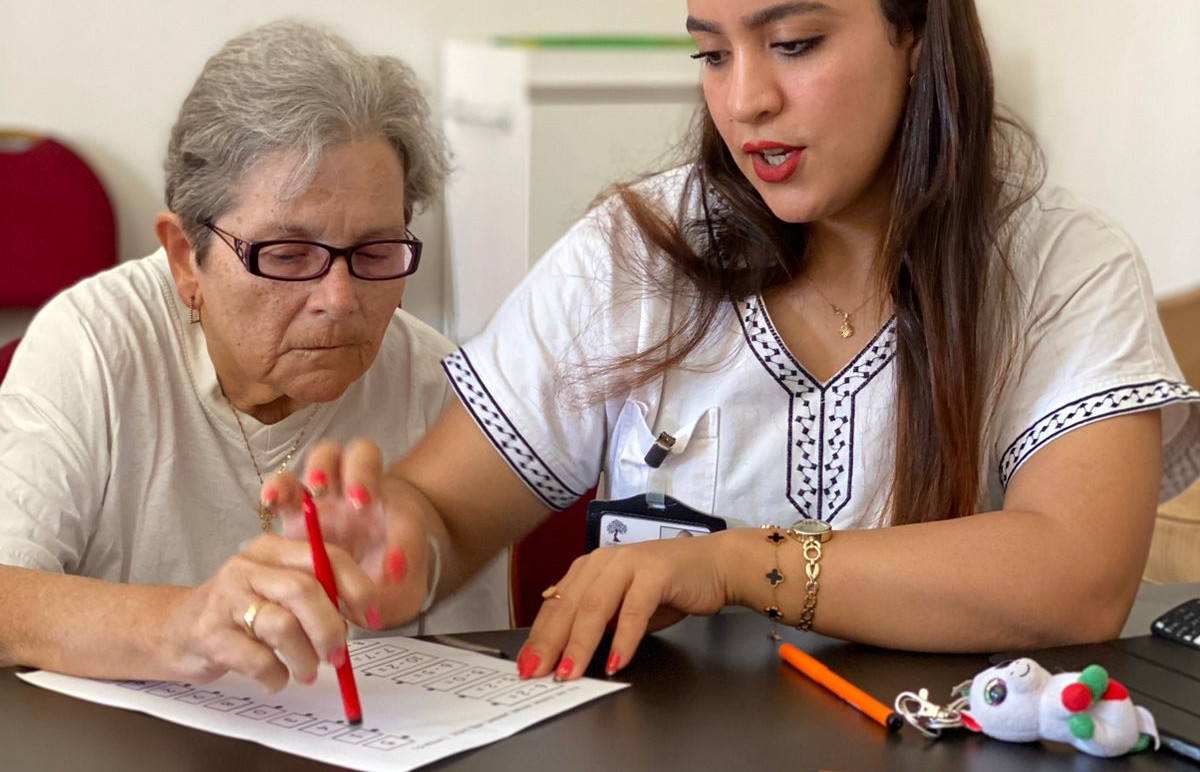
1020, 701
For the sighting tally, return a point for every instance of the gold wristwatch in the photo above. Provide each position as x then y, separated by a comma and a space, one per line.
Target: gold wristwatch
811, 534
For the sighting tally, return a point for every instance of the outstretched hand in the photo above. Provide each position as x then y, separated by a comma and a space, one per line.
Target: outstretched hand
388, 542
646, 586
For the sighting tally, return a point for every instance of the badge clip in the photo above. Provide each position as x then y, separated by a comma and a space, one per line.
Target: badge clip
659, 450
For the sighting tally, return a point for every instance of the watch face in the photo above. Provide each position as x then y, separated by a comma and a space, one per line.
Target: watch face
816, 528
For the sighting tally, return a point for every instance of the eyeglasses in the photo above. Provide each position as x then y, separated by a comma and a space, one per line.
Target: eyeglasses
293, 260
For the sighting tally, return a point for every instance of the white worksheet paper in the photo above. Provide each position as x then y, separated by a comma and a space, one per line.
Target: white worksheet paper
421, 702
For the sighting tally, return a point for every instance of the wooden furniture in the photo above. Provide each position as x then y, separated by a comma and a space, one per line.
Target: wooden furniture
1175, 550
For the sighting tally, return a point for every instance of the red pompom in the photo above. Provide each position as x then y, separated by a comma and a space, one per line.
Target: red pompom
1115, 691
1076, 697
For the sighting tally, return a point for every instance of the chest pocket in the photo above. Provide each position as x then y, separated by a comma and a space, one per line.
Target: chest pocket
689, 472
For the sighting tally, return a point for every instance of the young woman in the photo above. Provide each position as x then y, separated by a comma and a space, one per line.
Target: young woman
854, 308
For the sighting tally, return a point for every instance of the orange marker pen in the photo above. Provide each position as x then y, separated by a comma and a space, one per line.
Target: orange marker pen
857, 698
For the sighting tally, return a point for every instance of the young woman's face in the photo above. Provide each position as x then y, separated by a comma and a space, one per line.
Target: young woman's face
807, 96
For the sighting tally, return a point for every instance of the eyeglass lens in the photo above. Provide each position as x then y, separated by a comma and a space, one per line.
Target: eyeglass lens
298, 260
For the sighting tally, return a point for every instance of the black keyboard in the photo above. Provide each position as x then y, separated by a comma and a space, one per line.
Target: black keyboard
1181, 624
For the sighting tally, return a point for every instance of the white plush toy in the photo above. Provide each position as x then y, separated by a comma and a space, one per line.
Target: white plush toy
1020, 701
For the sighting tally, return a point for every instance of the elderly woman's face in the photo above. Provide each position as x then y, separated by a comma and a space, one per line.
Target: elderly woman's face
307, 340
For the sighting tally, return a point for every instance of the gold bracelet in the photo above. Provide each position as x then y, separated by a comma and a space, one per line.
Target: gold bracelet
811, 534
774, 578
812, 569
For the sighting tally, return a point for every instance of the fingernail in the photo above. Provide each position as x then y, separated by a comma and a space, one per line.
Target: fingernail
317, 482
269, 498
527, 666
614, 664
374, 618
397, 564
358, 497
337, 657
312, 679
565, 666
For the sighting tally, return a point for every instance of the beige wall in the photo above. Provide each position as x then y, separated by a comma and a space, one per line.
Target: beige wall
1116, 107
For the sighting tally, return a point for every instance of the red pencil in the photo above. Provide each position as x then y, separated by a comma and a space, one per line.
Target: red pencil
324, 571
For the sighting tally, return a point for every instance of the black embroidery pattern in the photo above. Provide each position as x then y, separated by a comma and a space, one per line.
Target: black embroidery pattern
1104, 404
820, 459
504, 435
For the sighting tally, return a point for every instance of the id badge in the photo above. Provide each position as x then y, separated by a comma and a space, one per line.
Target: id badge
645, 518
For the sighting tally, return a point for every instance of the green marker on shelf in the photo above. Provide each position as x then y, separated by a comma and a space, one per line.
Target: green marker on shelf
595, 41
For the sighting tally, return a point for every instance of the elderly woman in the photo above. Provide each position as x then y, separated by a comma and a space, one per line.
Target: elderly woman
146, 405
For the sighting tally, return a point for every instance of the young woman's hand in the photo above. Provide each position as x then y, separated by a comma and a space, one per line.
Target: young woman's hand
384, 533
645, 586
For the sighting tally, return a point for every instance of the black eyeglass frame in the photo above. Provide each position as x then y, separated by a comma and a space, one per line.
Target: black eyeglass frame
247, 252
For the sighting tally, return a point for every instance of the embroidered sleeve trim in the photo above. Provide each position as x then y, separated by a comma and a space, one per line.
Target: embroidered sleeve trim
503, 434
1089, 409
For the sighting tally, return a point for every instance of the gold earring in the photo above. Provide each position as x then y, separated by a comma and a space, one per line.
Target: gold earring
193, 313
912, 80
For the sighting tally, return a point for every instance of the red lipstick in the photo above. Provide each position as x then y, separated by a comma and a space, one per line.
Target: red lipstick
774, 161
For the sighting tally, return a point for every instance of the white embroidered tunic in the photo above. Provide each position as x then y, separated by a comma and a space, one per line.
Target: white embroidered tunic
760, 440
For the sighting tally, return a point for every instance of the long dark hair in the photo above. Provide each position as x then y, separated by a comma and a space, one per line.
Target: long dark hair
962, 171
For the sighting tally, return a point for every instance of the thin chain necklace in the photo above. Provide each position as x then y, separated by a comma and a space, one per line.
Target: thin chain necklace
265, 518
845, 329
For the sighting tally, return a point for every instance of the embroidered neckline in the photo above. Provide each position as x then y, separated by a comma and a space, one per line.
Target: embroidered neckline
821, 416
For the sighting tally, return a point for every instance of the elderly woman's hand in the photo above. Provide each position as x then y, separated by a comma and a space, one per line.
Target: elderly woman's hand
389, 545
264, 614
646, 586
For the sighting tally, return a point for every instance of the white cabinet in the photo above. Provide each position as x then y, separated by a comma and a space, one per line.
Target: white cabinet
537, 133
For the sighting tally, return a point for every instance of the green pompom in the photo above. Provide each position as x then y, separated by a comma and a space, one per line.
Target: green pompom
1142, 744
1082, 726
1095, 678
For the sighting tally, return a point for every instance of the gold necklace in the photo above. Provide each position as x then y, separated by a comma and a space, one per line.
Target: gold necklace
845, 329
265, 518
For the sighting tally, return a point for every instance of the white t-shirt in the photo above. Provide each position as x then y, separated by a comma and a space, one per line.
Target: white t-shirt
121, 460
758, 439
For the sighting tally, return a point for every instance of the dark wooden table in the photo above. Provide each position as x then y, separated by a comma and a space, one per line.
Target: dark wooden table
707, 694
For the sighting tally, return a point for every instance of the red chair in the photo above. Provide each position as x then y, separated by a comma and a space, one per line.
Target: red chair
6, 355
541, 558
56, 221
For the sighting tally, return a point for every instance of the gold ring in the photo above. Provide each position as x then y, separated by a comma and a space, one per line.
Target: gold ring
249, 617
551, 593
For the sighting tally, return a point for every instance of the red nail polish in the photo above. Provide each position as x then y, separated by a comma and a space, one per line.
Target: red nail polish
565, 666
269, 497
397, 564
374, 618
312, 679
358, 497
337, 657
317, 481
614, 664
529, 665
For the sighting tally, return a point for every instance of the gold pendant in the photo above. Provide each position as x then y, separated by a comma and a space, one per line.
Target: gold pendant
846, 329
265, 518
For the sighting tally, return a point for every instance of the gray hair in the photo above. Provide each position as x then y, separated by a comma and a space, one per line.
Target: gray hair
289, 86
